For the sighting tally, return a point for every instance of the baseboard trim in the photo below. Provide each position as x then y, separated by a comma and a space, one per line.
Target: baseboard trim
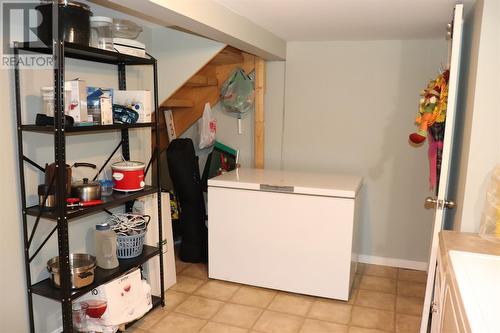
393, 262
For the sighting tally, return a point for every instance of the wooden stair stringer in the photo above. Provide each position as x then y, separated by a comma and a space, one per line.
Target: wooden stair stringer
217, 70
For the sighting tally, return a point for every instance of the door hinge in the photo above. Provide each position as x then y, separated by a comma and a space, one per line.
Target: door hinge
434, 307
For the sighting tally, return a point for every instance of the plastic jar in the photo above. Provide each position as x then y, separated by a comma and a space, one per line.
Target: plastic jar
106, 187
105, 246
101, 35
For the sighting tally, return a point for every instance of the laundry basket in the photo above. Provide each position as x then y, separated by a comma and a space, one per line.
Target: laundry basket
130, 231
130, 246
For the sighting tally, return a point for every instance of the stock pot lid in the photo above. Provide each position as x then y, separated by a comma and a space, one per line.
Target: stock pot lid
85, 182
68, 3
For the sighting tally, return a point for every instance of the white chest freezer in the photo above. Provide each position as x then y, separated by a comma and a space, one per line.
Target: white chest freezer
282, 230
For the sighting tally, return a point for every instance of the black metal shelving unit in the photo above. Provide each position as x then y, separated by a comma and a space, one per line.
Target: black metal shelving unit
61, 216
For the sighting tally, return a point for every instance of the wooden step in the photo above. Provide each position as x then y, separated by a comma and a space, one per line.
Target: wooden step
201, 81
177, 103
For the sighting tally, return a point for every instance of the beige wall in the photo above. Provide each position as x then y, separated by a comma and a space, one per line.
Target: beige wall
480, 104
349, 107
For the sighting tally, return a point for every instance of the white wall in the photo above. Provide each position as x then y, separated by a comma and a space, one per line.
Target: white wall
179, 56
480, 103
349, 107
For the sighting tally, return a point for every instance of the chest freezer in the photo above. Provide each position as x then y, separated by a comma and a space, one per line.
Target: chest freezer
288, 231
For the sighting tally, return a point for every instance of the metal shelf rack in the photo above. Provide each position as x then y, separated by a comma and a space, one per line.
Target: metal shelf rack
61, 215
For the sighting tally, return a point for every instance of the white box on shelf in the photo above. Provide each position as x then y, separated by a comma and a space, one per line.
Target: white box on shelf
100, 105
137, 100
77, 105
106, 111
130, 47
126, 298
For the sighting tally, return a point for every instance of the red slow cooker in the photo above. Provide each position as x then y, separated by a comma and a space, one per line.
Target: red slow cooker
128, 176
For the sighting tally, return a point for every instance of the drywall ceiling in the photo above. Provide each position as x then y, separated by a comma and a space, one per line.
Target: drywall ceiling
206, 18
316, 20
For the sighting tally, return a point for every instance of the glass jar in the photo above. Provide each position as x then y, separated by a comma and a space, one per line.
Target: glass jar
101, 35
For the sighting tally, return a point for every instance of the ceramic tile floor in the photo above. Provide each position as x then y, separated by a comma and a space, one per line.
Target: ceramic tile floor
384, 299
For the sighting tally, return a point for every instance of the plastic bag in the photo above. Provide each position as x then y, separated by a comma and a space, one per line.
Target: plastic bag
207, 127
237, 94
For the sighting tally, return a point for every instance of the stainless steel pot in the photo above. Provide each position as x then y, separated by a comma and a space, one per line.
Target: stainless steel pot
45, 191
86, 190
75, 22
82, 268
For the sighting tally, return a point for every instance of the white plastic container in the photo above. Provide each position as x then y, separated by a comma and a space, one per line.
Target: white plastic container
105, 246
47, 94
101, 35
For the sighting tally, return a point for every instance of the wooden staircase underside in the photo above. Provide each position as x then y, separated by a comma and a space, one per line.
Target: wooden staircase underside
188, 101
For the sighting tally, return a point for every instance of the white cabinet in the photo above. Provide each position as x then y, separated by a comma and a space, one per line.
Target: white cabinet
282, 230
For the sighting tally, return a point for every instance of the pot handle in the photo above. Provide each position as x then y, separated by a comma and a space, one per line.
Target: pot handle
147, 217
84, 275
83, 164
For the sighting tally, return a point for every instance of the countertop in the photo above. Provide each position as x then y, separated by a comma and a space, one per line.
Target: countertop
468, 242
325, 184
474, 273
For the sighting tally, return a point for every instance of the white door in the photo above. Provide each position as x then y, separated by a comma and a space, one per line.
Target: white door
441, 202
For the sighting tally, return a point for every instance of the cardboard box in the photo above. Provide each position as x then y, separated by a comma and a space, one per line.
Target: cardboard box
127, 298
137, 100
100, 105
77, 104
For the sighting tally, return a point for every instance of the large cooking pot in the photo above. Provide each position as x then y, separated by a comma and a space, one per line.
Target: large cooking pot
81, 267
128, 176
86, 190
75, 22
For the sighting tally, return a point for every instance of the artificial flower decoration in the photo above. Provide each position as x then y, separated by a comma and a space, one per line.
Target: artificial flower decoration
431, 119
433, 105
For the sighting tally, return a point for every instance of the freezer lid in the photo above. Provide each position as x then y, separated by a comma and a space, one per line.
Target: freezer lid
334, 185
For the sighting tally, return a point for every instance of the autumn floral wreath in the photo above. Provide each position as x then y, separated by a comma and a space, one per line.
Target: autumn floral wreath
430, 119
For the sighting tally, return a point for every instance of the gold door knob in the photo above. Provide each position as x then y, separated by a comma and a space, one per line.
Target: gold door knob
430, 202
449, 204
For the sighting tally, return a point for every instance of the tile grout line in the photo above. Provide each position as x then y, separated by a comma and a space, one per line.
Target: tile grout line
267, 308
263, 311
307, 315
